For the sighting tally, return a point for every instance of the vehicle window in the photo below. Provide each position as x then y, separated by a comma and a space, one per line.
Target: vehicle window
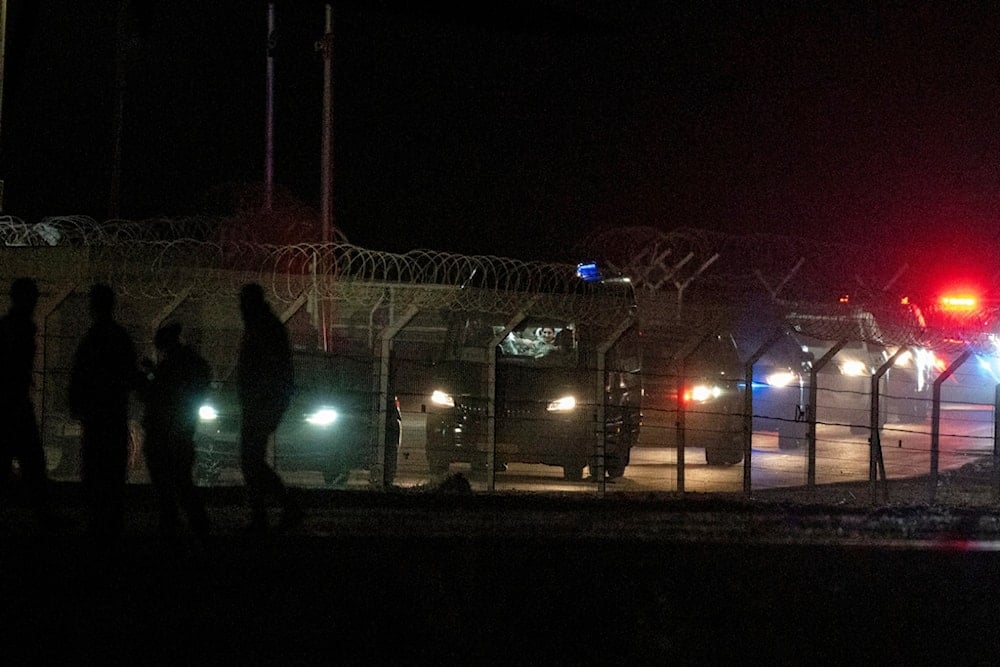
539, 341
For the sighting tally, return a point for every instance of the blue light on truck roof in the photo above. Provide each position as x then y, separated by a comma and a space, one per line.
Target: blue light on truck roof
588, 272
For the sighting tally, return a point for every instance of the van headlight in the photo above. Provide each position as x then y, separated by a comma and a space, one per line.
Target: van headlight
564, 404
441, 398
322, 417
207, 413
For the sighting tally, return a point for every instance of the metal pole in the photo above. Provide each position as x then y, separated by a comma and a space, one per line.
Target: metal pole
491, 391
876, 464
936, 422
748, 407
681, 425
384, 352
748, 419
3, 46
996, 444
121, 69
600, 408
811, 409
326, 168
269, 114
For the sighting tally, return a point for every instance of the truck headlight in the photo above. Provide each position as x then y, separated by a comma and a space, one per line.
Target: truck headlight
703, 392
207, 413
564, 404
853, 368
904, 359
439, 397
322, 417
781, 378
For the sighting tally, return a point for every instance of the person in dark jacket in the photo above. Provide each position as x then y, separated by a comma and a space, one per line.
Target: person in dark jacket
104, 373
265, 381
19, 435
177, 385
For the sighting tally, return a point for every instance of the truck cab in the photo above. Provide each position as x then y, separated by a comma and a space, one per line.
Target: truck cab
546, 396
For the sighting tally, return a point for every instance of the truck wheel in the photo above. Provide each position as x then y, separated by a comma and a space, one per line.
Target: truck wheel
336, 477
791, 436
614, 465
723, 456
614, 470
437, 453
478, 464
68, 464
438, 466
573, 471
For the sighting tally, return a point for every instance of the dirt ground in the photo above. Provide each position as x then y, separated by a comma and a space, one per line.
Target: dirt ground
444, 576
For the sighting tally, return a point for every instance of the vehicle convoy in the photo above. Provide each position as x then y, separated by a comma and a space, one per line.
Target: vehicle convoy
782, 376
329, 426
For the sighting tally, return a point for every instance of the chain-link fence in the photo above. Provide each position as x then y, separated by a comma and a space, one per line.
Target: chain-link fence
693, 375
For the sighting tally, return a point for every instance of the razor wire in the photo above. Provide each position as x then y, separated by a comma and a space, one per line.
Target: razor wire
142, 261
202, 257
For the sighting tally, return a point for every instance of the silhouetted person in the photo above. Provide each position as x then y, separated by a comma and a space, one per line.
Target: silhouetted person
265, 381
103, 375
19, 435
177, 385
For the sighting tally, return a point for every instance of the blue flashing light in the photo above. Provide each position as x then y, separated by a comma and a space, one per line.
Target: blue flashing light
588, 272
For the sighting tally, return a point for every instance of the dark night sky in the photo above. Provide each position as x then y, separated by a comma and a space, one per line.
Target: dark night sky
513, 131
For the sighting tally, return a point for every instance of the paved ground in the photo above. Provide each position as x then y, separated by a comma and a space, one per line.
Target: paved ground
453, 578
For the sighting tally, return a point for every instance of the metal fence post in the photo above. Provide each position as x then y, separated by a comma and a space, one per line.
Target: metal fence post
812, 411
748, 407
936, 423
996, 444
600, 416
876, 463
377, 477
491, 391
681, 427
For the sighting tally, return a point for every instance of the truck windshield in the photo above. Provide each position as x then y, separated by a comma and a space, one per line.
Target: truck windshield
547, 343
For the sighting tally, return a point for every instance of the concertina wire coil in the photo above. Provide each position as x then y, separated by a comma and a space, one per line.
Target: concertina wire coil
167, 258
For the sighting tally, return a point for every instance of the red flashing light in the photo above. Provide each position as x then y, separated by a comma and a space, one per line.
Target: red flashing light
844, 298
959, 303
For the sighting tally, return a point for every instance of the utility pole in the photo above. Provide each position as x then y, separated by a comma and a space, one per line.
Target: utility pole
326, 163
3, 47
124, 50
325, 46
269, 114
